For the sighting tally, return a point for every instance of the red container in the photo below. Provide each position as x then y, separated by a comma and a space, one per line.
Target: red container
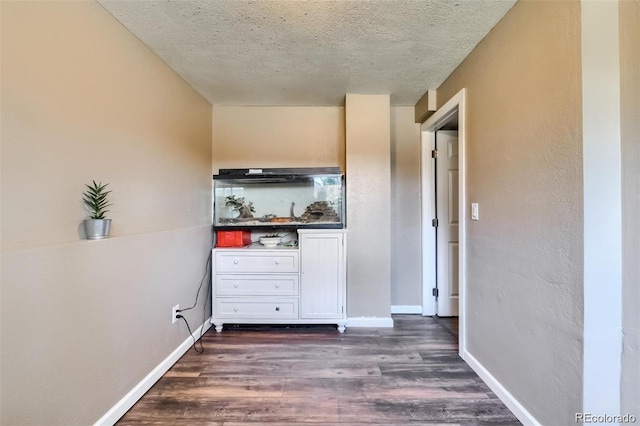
233, 238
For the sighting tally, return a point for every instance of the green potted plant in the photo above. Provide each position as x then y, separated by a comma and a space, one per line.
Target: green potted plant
96, 201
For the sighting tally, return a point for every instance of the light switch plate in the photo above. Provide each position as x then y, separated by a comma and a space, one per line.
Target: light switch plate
474, 212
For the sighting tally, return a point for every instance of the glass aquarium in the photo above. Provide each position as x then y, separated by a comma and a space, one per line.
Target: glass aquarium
279, 198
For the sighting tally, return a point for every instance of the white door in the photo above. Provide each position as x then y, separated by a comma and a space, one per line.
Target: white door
447, 229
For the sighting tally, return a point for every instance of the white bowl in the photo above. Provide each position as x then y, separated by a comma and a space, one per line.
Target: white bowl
271, 241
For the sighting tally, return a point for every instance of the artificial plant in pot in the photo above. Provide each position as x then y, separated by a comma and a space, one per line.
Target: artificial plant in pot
95, 198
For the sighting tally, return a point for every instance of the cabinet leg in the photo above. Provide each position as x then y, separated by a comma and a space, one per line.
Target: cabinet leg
218, 327
341, 327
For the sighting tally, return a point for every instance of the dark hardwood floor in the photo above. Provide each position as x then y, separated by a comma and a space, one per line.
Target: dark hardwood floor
449, 323
408, 375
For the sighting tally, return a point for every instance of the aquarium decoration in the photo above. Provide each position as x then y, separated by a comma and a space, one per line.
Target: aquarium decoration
239, 206
319, 211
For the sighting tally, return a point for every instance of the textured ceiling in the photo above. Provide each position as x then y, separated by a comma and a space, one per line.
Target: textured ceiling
310, 52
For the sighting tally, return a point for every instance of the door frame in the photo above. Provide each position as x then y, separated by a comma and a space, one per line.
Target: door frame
427, 190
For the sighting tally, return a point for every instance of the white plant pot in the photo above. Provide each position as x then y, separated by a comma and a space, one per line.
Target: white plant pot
97, 229
270, 242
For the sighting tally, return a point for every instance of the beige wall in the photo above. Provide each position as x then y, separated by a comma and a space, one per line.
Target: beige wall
524, 168
74, 113
629, 13
83, 322
367, 124
406, 245
277, 137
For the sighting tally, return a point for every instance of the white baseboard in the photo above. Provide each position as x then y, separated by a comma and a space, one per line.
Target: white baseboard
406, 309
122, 406
501, 392
370, 322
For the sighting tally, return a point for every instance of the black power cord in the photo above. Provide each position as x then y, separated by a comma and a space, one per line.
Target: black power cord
204, 308
195, 348
207, 267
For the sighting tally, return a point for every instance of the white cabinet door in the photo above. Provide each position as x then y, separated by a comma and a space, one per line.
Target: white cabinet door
322, 275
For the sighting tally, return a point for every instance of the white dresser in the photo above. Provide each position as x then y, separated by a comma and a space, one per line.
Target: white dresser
302, 285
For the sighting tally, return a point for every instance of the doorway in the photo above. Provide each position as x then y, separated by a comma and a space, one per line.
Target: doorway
444, 214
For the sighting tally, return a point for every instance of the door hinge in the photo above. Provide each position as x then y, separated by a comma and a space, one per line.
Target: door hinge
434, 222
343, 309
434, 292
434, 153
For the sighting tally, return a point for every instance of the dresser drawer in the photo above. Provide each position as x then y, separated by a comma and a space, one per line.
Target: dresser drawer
254, 285
239, 262
259, 308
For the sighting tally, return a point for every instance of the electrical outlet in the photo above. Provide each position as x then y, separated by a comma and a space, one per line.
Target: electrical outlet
174, 312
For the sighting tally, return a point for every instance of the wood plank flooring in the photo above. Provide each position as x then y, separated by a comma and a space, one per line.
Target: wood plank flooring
279, 376
449, 323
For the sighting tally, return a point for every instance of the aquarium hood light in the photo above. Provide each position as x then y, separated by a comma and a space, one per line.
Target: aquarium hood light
277, 173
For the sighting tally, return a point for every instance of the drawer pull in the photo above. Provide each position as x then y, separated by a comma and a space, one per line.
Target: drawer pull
235, 286
235, 261
277, 261
235, 309
277, 308
277, 286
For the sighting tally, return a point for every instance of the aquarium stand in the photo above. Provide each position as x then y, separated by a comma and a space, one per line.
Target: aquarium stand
282, 285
